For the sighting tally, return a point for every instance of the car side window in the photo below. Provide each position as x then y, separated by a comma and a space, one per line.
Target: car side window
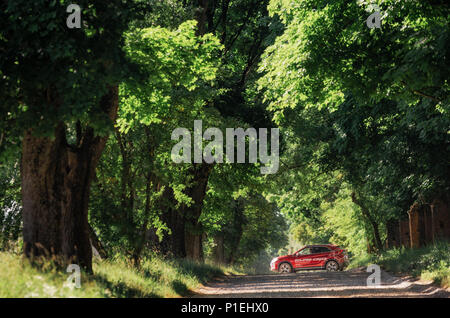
321, 249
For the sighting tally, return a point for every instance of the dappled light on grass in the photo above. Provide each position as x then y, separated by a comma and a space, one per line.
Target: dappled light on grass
430, 263
116, 278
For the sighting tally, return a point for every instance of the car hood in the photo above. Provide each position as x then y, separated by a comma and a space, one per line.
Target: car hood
283, 257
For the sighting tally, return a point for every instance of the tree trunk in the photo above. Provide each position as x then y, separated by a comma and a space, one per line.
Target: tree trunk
172, 244
219, 249
127, 187
97, 244
201, 15
194, 246
372, 222
238, 229
194, 230
56, 179
141, 237
393, 234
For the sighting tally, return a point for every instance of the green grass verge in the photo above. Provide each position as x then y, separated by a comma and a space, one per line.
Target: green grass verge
429, 263
115, 278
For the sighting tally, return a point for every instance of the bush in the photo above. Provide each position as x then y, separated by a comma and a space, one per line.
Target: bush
429, 263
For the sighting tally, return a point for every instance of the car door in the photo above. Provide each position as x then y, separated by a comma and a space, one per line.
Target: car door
303, 258
319, 255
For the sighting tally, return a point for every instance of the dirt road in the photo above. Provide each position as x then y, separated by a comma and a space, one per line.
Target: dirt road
319, 284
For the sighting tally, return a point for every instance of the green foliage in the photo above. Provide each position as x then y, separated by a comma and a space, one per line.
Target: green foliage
337, 221
115, 278
188, 77
370, 105
364, 116
304, 233
181, 69
10, 205
61, 73
264, 227
344, 221
429, 263
327, 51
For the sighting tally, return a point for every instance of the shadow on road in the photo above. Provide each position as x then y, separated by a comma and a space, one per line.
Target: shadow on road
318, 284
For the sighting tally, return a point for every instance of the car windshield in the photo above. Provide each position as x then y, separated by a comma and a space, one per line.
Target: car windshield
304, 251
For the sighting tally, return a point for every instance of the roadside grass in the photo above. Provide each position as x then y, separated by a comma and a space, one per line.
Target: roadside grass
430, 263
155, 278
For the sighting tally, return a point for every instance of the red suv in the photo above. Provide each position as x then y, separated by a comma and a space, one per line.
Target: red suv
326, 256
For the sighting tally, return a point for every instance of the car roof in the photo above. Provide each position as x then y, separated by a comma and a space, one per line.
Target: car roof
326, 245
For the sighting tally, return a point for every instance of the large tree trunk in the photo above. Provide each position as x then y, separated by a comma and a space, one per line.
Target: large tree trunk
172, 244
194, 230
56, 179
194, 246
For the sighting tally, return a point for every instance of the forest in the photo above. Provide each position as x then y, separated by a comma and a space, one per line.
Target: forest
89, 115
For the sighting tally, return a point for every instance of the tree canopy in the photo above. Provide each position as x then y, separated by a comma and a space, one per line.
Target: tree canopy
88, 116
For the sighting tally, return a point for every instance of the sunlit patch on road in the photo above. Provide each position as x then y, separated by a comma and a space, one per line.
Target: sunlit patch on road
319, 284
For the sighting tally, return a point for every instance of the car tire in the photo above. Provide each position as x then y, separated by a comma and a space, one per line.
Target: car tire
285, 268
332, 266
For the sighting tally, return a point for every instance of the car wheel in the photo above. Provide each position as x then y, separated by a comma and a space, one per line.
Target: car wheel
285, 268
332, 266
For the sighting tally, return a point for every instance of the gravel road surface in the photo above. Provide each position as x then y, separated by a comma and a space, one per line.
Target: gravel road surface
318, 284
